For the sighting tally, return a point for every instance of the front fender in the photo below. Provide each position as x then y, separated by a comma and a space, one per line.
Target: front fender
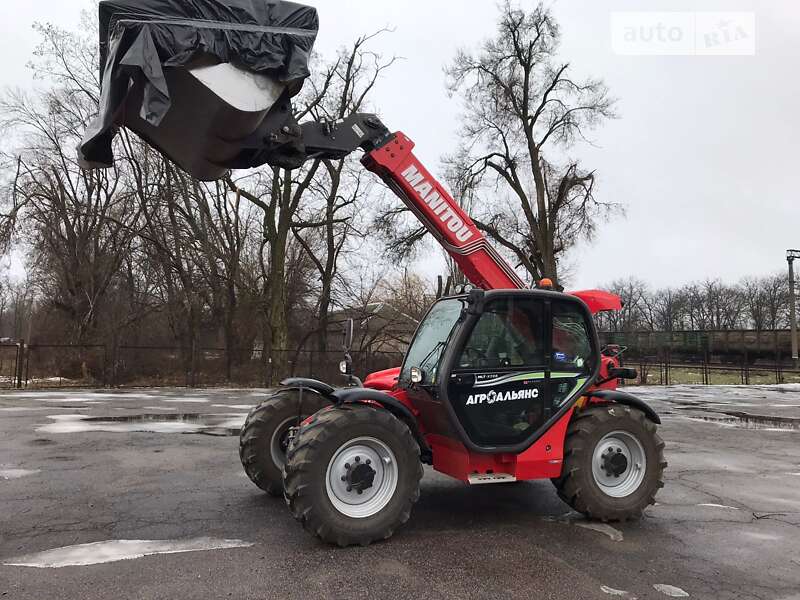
388, 402
620, 397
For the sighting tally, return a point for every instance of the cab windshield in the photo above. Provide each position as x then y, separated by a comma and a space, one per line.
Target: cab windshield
431, 339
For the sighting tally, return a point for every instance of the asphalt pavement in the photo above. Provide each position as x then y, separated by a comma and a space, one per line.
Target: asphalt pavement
93, 476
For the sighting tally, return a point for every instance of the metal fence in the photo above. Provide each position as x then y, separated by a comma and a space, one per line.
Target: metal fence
737, 357
668, 369
63, 365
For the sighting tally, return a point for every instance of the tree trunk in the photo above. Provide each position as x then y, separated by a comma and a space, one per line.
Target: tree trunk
276, 310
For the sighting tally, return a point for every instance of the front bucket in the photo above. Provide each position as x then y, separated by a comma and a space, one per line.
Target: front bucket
213, 111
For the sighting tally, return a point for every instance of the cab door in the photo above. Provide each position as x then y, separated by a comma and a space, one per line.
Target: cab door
522, 363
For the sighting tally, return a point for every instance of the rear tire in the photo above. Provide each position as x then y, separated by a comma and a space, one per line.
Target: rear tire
352, 475
613, 463
263, 438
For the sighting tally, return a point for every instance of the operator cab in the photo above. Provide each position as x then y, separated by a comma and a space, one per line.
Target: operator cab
494, 369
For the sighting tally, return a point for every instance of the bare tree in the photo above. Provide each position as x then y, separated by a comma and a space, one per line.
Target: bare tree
342, 185
522, 112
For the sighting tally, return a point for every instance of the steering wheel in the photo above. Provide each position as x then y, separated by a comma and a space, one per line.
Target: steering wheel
474, 357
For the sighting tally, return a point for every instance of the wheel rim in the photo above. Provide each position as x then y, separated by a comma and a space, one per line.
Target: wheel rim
362, 477
619, 464
280, 441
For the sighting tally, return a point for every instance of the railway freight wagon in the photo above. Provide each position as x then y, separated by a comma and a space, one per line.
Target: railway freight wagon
765, 344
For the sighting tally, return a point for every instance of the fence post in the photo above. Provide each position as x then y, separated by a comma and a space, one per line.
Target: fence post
27, 364
193, 364
18, 365
746, 368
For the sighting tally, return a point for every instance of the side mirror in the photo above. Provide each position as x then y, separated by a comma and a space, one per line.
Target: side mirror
347, 341
346, 366
416, 375
475, 301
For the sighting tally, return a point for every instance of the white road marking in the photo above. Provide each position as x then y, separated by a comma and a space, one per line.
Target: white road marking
670, 590
712, 505
115, 550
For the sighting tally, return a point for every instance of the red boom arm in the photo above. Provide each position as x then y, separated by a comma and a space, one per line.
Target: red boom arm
405, 175
396, 164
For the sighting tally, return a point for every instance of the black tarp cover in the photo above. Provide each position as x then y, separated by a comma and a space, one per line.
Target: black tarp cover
138, 38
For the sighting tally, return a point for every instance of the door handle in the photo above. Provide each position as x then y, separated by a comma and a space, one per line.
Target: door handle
463, 378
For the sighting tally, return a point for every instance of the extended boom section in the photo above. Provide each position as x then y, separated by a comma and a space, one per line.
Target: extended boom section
396, 164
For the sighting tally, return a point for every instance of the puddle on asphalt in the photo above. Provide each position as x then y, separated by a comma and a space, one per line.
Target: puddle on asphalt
115, 550
746, 421
228, 424
186, 400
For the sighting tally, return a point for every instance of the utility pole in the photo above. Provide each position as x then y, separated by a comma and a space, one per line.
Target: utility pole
790, 256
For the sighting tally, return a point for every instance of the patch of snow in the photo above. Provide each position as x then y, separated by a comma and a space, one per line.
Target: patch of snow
670, 590
614, 534
115, 550
612, 592
17, 473
712, 505
79, 424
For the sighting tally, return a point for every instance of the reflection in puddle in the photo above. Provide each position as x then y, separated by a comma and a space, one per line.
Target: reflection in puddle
114, 550
228, 424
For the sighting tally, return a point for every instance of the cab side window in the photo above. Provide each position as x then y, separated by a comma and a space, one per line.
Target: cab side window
508, 334
572, 347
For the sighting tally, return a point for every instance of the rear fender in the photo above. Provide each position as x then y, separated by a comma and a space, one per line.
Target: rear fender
318, 387
620, 397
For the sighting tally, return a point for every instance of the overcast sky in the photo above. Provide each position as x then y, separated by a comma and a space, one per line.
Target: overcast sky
704, 156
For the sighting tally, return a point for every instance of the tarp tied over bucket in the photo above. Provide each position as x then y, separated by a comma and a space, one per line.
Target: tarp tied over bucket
193, 77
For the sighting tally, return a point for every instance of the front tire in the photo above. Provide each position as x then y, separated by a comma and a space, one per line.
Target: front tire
613, 463
264, 436
352, 475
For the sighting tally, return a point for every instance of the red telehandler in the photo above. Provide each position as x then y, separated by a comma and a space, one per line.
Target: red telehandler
499, 384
